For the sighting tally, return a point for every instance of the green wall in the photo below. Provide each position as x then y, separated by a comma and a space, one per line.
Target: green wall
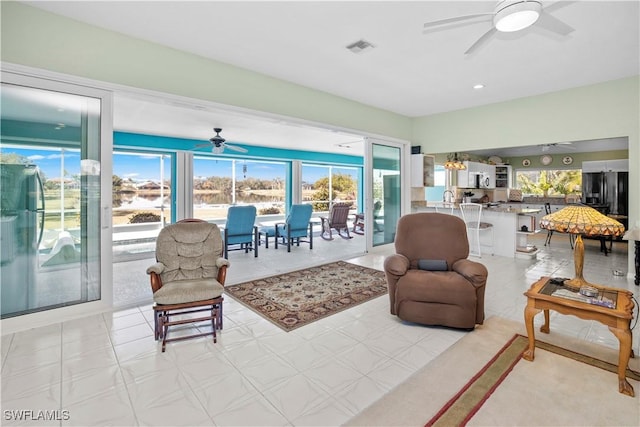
40, 39
33, 37
605, 110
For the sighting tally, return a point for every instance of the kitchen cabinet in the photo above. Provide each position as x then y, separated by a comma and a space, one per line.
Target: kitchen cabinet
467, 177
503, 176
422, 170
619, 165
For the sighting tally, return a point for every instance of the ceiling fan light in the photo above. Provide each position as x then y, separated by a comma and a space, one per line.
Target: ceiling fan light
217, 149
517, 16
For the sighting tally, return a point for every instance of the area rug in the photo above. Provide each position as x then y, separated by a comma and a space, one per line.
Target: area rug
552, 390
466, 403
295, 299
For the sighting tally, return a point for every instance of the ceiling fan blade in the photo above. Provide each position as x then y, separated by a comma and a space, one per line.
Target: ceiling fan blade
202, 145
551, 23
481, 41
234, 148
557, 5
431, 24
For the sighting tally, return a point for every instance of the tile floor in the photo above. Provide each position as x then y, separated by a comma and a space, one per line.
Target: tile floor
108, 370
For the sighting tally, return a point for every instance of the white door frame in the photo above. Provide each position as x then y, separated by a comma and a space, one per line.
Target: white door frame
405, 180
105, 303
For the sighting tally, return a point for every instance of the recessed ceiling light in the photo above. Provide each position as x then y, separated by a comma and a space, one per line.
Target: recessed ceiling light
478, 86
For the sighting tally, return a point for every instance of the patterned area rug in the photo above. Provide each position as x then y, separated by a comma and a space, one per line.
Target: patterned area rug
298, 298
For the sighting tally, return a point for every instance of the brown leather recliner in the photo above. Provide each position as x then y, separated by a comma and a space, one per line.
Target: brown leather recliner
453, 297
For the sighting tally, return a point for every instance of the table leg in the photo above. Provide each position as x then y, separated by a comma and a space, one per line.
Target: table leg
545, 328
529, 313
624, 336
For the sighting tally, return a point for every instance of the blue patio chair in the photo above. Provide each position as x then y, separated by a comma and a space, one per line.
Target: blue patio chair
296, 227
240, 230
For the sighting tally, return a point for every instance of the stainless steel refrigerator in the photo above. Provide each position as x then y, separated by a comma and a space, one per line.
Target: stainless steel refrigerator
606, 191
21, 227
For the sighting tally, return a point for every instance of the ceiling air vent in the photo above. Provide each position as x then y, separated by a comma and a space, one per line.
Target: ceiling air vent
359, 46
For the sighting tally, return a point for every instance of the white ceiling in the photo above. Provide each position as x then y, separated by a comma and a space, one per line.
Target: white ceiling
407, 72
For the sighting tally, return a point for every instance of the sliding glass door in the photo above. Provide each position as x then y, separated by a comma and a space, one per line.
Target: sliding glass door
50, 196
385, 196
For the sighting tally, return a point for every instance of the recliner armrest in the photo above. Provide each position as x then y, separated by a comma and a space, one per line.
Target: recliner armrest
157, 268
396, 264
222, 262
474, 272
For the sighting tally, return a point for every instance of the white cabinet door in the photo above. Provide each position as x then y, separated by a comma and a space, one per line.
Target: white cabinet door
422, 170
619, 165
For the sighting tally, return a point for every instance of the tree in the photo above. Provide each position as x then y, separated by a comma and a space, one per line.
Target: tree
116, 182
343, 187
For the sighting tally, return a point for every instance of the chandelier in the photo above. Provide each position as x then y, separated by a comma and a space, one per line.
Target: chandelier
453, 163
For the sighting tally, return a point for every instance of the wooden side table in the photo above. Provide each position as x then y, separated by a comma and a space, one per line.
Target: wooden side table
541, 297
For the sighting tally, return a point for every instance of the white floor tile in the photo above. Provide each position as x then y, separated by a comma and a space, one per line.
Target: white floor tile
257, 411
165, 398
108, 407
333, 376
296, 396
79, 388
329, 413
269, 371
360, 394
107, 369
362, 358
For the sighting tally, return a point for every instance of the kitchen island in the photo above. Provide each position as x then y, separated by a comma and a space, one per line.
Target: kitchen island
509, 238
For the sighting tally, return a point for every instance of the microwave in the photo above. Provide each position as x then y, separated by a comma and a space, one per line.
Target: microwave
483, 180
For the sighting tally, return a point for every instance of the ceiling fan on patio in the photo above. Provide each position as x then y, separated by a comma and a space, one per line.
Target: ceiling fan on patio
218, 144
507, 16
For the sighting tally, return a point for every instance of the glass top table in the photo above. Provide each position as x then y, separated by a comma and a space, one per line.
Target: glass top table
612, 307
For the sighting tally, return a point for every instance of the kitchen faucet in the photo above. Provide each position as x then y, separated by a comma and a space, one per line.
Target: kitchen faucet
444, 196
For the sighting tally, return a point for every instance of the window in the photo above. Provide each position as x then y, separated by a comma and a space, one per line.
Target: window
549, 182
218, 183
322, 184
141, 188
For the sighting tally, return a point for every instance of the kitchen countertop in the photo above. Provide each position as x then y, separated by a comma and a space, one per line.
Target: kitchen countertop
519, 211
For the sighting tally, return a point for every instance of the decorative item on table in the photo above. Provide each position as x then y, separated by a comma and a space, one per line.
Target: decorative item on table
515, 195
467, 196
581, 220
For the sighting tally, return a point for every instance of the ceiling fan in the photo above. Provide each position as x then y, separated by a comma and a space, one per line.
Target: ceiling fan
218, 144
553, 145
507, 16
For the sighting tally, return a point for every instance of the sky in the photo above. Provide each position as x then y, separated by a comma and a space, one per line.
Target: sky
144, 167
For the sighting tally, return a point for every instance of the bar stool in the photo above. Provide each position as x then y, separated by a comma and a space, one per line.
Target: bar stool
472, 217
446, 208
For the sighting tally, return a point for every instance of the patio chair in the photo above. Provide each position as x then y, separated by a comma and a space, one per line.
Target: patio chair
188, 277
337, 220
297, 226
240, 230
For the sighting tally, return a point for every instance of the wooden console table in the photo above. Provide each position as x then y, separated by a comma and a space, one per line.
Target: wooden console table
540, 297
